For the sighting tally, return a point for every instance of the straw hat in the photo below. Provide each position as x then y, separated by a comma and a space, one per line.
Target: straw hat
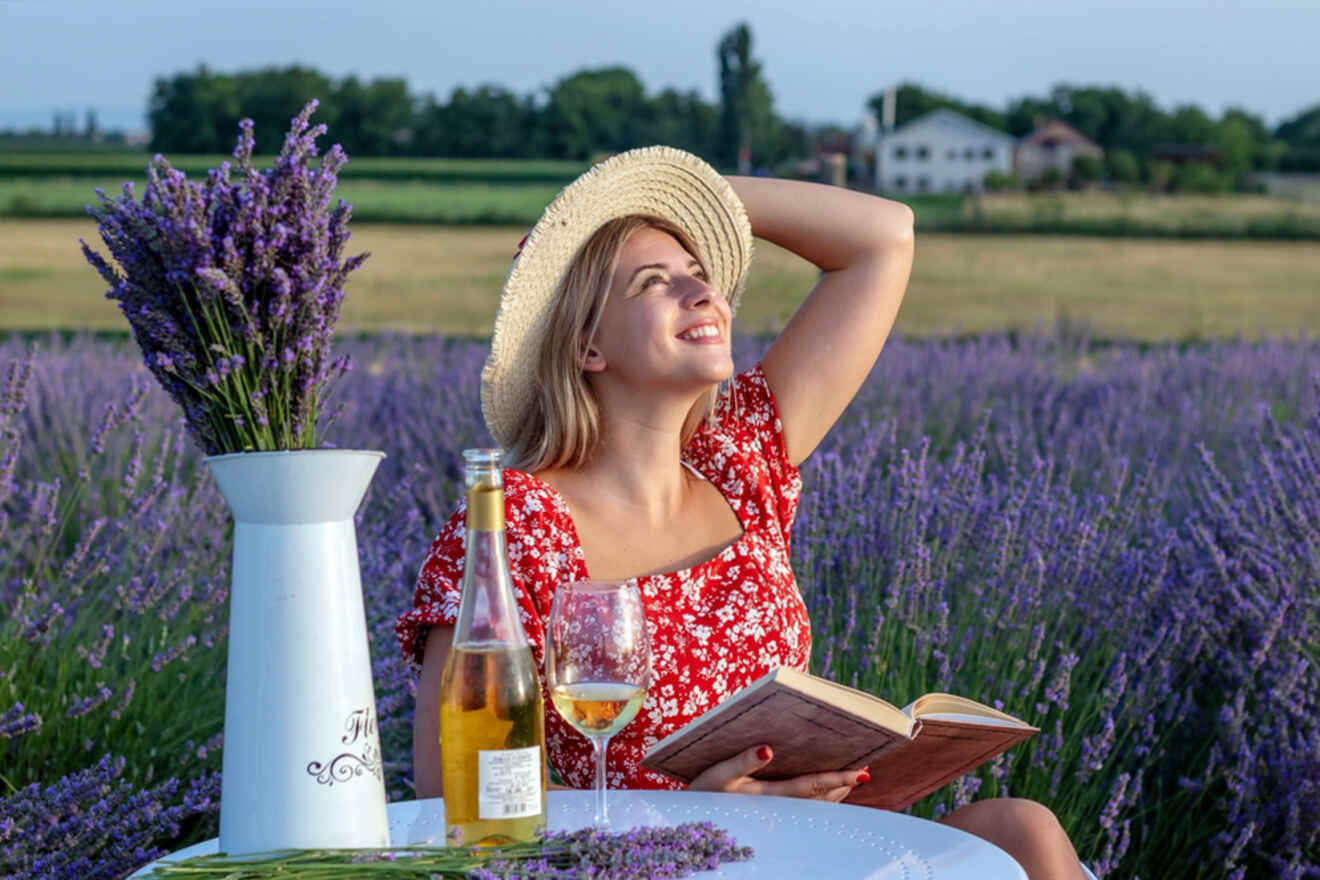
659, 181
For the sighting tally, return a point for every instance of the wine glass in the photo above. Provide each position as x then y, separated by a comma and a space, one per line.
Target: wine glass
598, 663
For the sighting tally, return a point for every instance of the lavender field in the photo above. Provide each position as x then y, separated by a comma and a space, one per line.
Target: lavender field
1119, 543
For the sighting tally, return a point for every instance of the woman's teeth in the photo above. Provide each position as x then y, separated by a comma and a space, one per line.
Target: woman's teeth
702, 332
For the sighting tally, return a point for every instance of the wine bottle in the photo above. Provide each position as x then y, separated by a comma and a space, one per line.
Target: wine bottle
492, 718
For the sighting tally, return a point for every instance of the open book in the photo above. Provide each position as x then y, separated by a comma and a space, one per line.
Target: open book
815, 725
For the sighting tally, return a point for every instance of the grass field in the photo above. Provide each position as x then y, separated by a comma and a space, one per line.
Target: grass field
1227, 214
131, 164
477, 196
494, 192
424, 279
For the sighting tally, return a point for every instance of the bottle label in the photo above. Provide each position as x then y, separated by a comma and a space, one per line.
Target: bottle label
509, 783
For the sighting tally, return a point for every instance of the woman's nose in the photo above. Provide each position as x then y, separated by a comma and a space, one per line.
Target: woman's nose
696, 292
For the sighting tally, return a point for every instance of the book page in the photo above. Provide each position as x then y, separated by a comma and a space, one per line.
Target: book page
960, 718
951, 705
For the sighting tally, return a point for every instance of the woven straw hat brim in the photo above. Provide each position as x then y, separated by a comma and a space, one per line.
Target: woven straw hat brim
660, 181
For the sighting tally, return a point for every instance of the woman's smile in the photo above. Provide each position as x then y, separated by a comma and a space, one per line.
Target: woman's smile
704, 333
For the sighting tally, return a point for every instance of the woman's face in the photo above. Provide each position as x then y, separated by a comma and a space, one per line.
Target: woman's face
663, 325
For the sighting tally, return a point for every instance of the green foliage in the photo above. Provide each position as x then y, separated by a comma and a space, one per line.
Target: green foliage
1123, 166
375, 118
1303, 130
488, 121
1198, 177
748, 126
138, 550
685, 120
374, 201
1133, 124
195, 113
1051, 178
912, 101
998, 181
107, 168
1300, 137
595, 111
1086, 169
587, 113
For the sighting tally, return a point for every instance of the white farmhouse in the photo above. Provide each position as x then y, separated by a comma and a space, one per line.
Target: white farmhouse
942, 151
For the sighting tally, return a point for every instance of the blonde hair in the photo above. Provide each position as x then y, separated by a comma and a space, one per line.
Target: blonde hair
563, 426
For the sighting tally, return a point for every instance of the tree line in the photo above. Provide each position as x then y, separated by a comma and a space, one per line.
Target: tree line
606, 110
591, 111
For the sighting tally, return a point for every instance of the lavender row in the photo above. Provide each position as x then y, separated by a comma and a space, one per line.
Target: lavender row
1118, 544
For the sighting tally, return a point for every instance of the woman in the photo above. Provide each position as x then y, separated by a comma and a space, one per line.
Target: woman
610, 346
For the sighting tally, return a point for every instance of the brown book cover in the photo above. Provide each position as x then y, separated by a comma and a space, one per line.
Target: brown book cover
816, 725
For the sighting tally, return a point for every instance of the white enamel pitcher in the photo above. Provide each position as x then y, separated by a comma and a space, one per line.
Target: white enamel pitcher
302, 761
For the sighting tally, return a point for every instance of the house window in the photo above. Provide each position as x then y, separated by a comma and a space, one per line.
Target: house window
900, 152
969, 154
988, 153
923, 152
923, 184
951, 154
900, 182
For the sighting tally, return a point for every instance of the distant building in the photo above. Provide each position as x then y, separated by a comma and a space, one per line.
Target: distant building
941, 151
1299, 187
1188, 154
1053, 144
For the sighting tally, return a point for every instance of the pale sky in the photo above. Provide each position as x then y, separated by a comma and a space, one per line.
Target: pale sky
822, 58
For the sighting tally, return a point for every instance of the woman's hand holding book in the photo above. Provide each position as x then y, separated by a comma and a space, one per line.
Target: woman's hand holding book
735, 775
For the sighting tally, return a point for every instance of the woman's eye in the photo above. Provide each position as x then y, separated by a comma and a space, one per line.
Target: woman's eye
649, 281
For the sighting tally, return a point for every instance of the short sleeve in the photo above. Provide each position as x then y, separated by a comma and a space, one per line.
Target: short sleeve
749, 415
542, 553
439, 588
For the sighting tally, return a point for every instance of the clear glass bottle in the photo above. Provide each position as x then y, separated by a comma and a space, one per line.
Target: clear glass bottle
492, 718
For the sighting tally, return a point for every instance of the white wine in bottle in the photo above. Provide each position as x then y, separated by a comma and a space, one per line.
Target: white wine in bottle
492, 714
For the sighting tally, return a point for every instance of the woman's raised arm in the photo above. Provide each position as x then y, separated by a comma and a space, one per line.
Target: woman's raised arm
863, 246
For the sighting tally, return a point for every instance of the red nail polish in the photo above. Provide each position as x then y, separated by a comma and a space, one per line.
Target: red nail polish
763, 753
863, 777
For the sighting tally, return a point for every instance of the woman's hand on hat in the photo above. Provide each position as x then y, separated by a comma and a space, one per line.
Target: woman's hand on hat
735, 775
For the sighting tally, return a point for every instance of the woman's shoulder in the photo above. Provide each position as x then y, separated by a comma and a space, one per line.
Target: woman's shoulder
526, 495
746, 414
540, 535
742, 448
530, 506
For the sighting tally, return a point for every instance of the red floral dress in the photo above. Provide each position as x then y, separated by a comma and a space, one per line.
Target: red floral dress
715, 627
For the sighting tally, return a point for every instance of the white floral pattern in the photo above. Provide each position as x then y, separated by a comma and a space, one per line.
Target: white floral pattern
715, 627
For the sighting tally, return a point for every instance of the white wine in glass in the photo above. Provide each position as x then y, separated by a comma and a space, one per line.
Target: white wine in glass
598, 708
598, 663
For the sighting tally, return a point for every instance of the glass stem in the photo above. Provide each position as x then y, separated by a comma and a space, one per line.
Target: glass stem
600, 744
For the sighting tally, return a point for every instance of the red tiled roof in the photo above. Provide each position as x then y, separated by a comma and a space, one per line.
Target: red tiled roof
1058, 132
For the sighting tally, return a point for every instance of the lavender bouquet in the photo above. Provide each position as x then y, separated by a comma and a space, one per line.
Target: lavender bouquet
233, 288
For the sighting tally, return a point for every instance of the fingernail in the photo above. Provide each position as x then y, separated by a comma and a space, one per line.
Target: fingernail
763, 753
863, 777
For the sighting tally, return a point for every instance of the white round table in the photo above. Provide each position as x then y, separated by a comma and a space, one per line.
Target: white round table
793, 838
